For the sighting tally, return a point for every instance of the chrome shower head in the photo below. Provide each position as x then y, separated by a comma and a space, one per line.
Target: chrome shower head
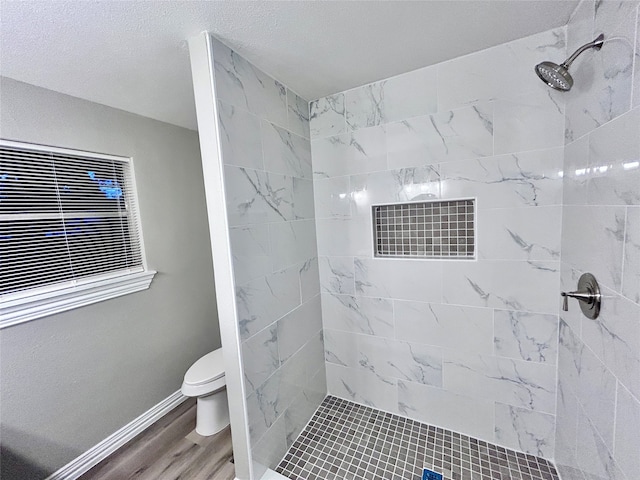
557, 76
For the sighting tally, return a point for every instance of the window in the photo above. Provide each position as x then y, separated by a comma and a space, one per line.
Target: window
69, 231
437, 229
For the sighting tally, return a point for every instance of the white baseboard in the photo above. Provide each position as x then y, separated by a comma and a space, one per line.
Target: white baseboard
97, 453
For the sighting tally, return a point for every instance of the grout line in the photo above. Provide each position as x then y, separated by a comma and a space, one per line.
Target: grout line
635, 68
615, 418
624, 250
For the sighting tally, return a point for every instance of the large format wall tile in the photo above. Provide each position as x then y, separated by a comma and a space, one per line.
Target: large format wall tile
309, 279
396, 98
264, 300
251, 251
340, 347
333, 197
298, 114
401, 360
344, 236
521, 179
581, 25
512, 382
636, 64
350, 153
576, 172
631, 272
260, 357
627, 428
362, 386
603, 79
595, 229
525, 430
524, 286
520, 233
466, 328
569, 357
526, 336
285, 152
446, 409
326, 116
336, 275
372, 316
566, 428
393, 186
504, 71
614, 162
298, 414
298, 327
532, 122
240, 137
598, 360
614, 337
597, 393
270, 448
399, 279
242, 85
291, 243
255, 196
266, 152
456, 135
269, 402
593, 457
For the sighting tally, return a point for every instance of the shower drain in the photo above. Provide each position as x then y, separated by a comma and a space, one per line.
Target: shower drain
430, 475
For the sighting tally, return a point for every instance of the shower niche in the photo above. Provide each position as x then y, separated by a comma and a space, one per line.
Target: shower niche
427, 230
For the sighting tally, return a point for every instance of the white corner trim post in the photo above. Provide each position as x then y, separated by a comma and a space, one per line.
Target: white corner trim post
204, 88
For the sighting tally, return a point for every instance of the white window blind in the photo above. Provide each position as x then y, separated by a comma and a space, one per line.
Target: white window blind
66, 218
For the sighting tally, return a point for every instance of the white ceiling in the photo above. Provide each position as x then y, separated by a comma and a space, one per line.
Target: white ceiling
133, 55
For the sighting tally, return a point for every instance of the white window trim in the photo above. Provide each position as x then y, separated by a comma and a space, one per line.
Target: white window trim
60, 298
21, 307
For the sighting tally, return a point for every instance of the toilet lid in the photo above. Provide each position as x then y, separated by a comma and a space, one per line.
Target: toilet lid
208, 368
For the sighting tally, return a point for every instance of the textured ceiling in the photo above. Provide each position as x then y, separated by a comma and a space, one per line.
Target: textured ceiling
133, 55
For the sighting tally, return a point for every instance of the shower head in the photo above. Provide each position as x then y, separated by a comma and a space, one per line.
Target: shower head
558, 76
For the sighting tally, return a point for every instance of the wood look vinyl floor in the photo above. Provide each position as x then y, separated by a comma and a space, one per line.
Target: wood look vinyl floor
170, 449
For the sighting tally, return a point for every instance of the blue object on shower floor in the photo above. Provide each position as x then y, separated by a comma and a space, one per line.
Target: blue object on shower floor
430, 475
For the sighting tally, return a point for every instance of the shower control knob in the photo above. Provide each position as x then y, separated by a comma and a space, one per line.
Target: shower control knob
588, 295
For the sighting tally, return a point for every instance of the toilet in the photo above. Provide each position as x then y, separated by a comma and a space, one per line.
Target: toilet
205, 380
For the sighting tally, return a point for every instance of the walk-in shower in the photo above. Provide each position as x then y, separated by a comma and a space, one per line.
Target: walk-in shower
558, 76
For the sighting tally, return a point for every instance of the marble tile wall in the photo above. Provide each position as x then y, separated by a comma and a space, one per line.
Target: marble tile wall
598, 408
466, 345
269, 187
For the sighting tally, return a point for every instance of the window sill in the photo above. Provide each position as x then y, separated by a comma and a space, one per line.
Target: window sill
25, 308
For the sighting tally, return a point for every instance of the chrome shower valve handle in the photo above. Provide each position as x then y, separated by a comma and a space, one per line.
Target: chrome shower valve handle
588, 295
582, 296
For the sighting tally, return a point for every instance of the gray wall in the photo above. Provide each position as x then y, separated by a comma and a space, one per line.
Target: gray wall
597, 435
70, 380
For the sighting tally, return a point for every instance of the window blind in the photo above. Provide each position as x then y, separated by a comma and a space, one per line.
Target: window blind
65, 217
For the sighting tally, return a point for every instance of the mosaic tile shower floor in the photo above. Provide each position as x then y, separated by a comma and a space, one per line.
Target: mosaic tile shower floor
345, 440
